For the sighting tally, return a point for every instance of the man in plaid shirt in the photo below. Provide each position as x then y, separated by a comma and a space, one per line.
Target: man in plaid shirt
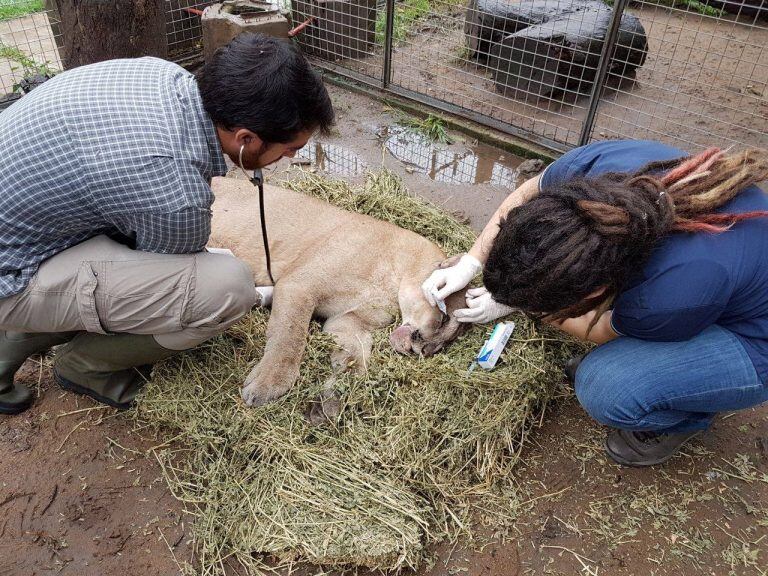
105, 208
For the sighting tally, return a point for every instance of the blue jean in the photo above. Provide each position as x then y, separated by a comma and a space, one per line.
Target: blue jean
668, 386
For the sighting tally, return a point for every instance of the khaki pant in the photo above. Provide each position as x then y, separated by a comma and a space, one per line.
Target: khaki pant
102, 286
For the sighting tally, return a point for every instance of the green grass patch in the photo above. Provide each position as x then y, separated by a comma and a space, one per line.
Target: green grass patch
408, 13
18, 56
432, 127
28, 64
23, 61
701, 8
688, 5
10, 9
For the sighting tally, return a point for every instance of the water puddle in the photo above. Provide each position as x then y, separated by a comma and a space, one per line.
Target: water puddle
449, 164
463, 164
331, 158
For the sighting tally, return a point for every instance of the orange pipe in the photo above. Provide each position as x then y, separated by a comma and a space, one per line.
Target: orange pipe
300, 27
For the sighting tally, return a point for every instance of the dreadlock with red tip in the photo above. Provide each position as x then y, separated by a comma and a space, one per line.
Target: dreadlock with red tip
553, 254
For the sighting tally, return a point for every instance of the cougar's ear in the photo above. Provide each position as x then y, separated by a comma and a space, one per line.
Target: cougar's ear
448, 262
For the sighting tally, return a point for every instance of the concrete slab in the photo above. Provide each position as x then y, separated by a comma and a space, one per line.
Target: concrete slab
222, 22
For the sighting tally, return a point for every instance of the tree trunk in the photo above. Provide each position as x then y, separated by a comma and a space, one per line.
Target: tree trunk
94, 30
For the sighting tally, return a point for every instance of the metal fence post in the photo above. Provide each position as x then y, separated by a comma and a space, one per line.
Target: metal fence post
602, 69
388, 31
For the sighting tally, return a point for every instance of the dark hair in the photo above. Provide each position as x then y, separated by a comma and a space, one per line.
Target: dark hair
562, 246
264, 84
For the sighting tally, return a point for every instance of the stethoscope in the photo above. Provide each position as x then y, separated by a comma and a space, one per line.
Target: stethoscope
258, 180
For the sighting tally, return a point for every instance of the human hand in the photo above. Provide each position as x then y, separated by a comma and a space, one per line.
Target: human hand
481, 307
445, 281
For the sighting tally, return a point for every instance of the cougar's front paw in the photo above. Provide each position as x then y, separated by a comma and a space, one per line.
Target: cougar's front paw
265, 384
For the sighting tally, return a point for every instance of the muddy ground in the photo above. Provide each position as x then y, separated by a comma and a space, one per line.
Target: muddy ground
78, 492
81, 493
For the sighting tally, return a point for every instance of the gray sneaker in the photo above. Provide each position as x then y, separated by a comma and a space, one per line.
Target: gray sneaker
571, 365
640, 449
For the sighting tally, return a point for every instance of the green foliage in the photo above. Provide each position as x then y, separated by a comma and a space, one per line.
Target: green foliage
15, 55
28, 65
432, 127
406, 14
689, 5
701, 8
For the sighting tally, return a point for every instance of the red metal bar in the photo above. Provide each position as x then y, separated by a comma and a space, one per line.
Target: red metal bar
300, 27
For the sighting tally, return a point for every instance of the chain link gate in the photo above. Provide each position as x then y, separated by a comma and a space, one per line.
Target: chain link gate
561, 72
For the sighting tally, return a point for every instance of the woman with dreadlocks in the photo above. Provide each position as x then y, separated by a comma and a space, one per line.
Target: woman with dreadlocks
659, 258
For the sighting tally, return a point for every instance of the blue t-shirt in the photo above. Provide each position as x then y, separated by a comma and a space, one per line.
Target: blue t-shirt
691, 281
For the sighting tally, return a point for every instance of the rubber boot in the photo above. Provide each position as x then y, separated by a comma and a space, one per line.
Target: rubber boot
15, 348
111, 369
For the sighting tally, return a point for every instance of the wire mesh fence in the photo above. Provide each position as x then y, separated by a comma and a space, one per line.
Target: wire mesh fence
705, 80
563, 72
522, 64
557, 72
28, 45
183, 26
351, 33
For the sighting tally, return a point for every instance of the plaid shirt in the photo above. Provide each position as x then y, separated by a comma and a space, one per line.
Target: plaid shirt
122, 147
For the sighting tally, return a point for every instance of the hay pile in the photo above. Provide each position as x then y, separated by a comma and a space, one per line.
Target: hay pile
420, 454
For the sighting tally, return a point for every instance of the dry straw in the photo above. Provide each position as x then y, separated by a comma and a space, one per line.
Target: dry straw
421, 454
